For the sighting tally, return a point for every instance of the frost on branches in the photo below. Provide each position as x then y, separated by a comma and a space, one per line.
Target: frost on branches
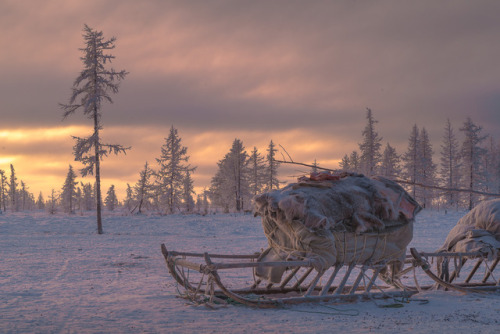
92, 87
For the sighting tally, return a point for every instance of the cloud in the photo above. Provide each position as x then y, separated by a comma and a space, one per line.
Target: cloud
300, 73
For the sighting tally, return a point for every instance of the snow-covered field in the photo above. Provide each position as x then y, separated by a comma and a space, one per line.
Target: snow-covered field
58, 276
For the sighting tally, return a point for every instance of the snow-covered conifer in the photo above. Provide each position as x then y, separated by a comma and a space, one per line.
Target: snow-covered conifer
88, 196
355, 162
258, 171
188, 192
52, 202
129, 198
411, 159
205, 202
390, 166
314, 168
3, 191
68, 194
345, 163
173, 165
93, 86
24, 196
13, 195
272, 168
199, 203
492, 166
143, 189
230, 187
472, 153
450, 164
40, 202
111, 201
370, 147
426, 169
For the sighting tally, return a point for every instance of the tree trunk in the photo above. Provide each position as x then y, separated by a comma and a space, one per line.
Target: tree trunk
97, 177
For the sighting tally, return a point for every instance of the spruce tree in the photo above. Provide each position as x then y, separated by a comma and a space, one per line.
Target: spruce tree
314, 168
272, 168
411, 159
472, 154
52, 203
390, 166
13, 190
88, 197
3, 191
173, 164
257, 172
230, 187
68, 194
111, 201
40, 202
143, 189
24, 196
90, 89
370, 147
450, 164
345, 163
129, 199
426, 169
188, 192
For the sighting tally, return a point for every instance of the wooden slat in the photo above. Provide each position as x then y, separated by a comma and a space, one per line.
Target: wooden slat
338, 291
313, 284
328, 284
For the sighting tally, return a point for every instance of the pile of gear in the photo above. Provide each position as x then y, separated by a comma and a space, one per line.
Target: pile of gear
336, 218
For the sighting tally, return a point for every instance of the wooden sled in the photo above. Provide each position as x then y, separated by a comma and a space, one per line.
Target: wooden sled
201, 276
472, 272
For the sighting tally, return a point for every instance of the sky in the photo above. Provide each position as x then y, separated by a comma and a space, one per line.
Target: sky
300, 73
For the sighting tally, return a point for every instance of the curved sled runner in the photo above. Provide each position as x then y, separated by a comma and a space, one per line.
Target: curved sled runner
466, 276
199, 275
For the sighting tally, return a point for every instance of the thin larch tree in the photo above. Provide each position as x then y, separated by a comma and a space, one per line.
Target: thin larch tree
91, 88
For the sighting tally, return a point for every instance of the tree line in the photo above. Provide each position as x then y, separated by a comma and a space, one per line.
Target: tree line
468, 165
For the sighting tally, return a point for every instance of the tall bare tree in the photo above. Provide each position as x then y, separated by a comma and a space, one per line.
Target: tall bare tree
91, 88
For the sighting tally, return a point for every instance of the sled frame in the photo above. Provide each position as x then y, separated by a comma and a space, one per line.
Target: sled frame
479, 277
300, 284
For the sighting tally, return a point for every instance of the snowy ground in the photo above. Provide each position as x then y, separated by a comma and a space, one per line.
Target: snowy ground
58, 276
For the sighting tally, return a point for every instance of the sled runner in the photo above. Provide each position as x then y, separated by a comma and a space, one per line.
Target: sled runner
460, 271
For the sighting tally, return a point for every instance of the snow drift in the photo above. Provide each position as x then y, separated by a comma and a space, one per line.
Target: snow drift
332, 219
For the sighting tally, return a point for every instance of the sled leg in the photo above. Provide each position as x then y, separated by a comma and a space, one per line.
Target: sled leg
328, 284
344, 280
373, 279
358, 280
490, 270
473, 271
313, 284
299, 282
289, 277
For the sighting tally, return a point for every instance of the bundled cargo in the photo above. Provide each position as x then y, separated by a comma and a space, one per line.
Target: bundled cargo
336, 219
477, 231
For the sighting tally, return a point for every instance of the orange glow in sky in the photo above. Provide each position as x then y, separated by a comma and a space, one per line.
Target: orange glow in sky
299, 73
